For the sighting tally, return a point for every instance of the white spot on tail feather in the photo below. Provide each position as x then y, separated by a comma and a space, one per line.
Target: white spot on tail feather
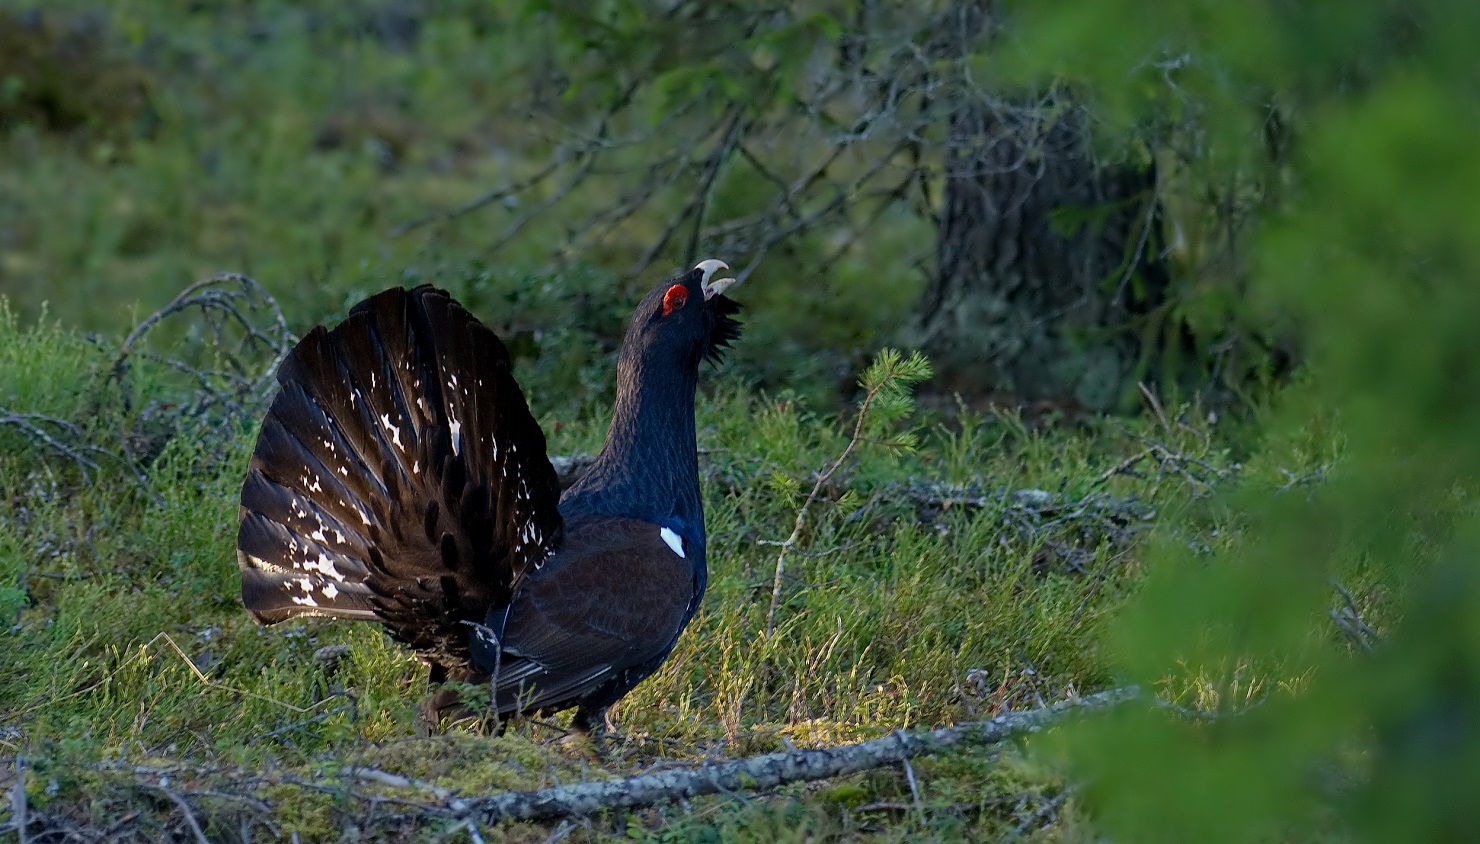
674, 541
323, 565
385, 419
456, 436
306, 599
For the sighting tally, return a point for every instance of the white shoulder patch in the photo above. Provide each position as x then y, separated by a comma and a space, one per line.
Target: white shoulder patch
674, 541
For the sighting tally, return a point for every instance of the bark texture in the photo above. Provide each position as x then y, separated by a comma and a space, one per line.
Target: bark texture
771, 770
1045, 261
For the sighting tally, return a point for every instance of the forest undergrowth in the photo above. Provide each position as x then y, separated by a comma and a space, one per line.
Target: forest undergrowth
950, 569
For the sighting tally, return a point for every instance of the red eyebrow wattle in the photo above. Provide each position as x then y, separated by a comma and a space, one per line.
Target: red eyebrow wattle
675, 298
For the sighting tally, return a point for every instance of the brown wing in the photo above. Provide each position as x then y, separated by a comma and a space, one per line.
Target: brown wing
605, 609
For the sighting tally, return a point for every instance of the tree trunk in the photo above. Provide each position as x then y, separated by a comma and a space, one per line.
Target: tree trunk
1045, 261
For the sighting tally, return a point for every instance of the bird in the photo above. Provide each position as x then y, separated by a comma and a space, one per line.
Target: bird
399, 477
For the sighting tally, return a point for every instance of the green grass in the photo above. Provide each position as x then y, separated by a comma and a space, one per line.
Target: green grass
899, 612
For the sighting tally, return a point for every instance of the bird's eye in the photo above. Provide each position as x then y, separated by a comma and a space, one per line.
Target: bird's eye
675, 298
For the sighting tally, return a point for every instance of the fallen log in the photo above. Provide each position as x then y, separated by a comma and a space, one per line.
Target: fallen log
772, 769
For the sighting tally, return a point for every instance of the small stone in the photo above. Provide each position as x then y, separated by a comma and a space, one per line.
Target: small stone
331, 655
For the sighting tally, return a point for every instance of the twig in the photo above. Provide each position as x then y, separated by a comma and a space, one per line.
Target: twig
775, 769
27, 423
801, 521
1122, 466
556, 162
31, 424
242, 326
1042, 812
190, 821
1293, 480
1349, 620
225, 302
397, 781
18, 818
909, 773
1153, 403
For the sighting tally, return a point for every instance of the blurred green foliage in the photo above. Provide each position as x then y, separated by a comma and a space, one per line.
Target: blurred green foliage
69, 75
1373, 254
290, 142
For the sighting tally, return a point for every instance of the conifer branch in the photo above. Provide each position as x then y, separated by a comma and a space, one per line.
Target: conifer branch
886, 394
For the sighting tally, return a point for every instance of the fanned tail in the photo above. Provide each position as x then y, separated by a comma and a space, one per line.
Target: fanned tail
398, 476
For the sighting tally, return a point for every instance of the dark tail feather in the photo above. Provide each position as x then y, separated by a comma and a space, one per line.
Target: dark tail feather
308, 517
384, 483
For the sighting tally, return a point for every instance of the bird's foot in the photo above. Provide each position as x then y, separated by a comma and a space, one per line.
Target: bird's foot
448, 708
589, 729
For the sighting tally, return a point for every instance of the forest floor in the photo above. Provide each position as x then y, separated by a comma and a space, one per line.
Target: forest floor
963, 581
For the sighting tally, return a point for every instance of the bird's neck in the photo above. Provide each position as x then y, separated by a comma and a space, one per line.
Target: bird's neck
649, 467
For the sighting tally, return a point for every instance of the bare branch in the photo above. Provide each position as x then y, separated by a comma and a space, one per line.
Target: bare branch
557, 161
205, 296
706, 192
1349, 620
775, 769
18, 819
67, 439
189, 814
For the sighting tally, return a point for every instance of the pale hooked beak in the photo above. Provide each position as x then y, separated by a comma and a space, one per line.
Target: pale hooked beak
710, 266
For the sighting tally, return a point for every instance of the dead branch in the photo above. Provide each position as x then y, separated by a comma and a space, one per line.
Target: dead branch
18, 820
188, 813
1349, 620
801, 521
68, 440
239, 323
238, 338
379, 777
422, 802
825, 141
774, 769
214, 298
509, 191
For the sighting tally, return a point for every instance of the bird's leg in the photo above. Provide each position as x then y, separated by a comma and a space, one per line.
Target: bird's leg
594, 725
584, 722
446, 706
